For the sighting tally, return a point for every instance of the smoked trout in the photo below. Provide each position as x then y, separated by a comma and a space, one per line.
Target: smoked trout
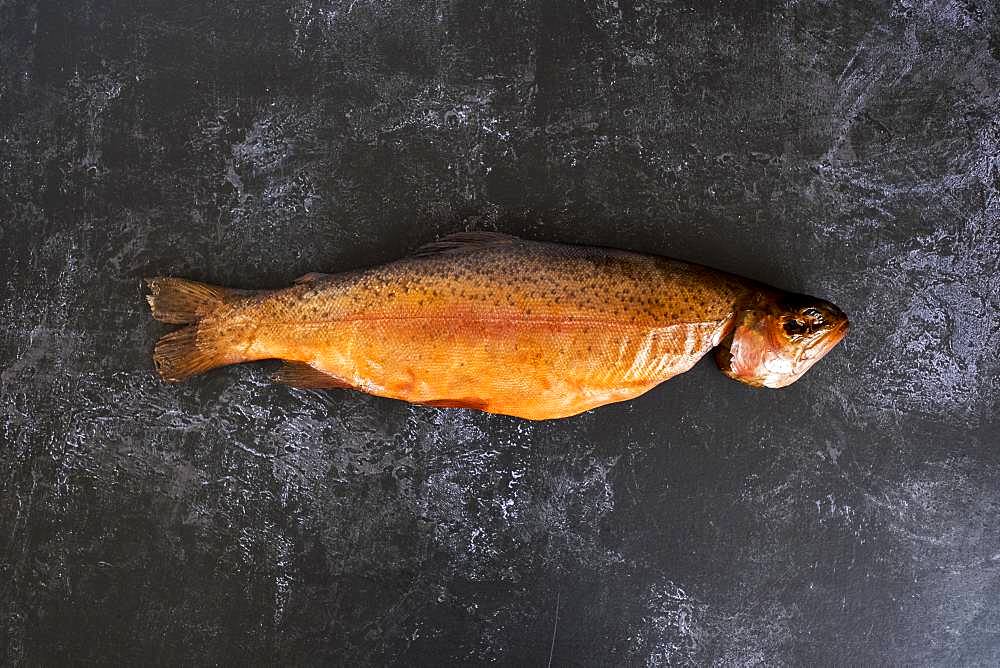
501, 324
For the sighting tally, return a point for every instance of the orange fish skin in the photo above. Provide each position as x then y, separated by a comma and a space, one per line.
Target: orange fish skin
487, 321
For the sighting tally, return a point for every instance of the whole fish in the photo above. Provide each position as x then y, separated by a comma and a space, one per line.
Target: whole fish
501, 324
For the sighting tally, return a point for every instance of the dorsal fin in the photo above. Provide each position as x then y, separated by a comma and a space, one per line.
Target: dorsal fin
464, 242
310, 277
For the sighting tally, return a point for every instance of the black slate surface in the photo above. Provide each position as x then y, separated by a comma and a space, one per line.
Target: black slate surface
848, 150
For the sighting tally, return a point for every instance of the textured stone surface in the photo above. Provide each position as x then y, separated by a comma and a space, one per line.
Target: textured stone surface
849, 151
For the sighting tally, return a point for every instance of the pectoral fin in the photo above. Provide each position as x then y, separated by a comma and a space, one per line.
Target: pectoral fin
298, 374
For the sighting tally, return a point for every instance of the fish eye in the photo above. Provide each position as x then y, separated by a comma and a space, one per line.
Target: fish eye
795, 328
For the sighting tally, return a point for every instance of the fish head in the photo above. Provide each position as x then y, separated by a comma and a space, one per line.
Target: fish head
775, 341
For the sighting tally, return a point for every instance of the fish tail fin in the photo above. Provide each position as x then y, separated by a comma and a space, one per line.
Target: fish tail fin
200, 346
180, 301
189, 351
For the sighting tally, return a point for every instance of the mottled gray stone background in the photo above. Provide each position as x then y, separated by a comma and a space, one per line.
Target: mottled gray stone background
849, 150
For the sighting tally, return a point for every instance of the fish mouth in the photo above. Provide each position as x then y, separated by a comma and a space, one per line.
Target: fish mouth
840, 331
832, 338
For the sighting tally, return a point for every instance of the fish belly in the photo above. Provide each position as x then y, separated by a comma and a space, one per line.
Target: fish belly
535, 369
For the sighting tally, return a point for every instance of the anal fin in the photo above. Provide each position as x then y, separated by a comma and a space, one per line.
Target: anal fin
466, 402
299, 374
